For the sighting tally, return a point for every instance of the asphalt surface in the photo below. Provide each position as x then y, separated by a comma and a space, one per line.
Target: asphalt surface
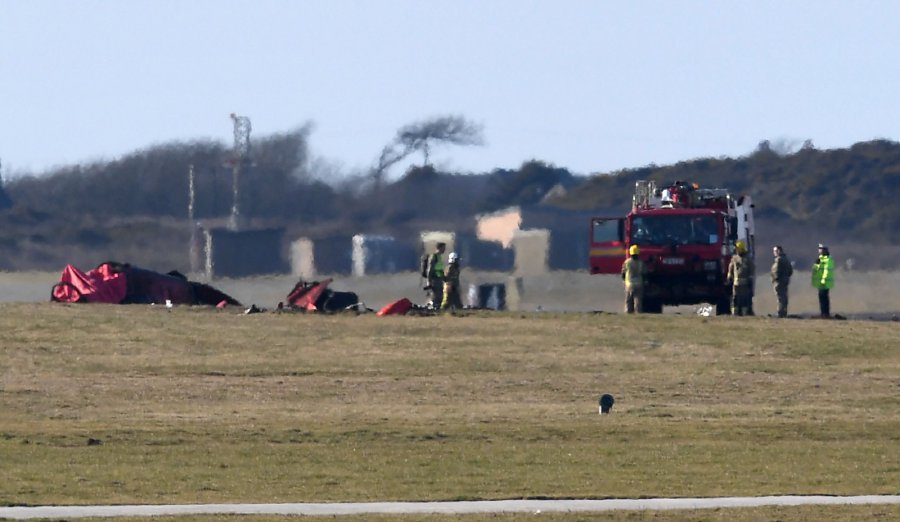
486, 506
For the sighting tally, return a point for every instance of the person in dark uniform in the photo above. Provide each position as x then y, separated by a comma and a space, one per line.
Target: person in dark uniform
781, 278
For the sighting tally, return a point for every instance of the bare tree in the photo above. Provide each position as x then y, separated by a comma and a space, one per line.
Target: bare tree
455, 130
420, 136
389, 156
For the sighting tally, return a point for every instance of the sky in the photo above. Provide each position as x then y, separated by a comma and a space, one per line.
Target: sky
591, 86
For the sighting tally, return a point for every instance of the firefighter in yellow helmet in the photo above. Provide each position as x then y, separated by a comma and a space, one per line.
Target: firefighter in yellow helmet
740, 276
452, 300
633, 270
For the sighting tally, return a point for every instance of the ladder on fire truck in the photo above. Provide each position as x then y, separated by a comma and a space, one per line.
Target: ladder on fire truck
646, 195
739, 208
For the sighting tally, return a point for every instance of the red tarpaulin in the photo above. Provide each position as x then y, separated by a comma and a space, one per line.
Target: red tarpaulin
121, 283
100, 285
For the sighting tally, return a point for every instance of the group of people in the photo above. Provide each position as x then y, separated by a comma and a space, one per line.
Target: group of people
443, 287
442, 282
740, 276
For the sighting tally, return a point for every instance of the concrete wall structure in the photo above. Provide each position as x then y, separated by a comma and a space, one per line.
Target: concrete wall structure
569, 234
243, 253
382, 255
333, 255
531, 247
517, 240
303, 260
569, 249
430, 240
484, 255
568, 245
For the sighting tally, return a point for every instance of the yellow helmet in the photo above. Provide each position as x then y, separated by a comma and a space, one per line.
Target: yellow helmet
634, 250
741, 246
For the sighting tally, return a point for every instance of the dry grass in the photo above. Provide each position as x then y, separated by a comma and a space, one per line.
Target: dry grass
782, 514
195, 405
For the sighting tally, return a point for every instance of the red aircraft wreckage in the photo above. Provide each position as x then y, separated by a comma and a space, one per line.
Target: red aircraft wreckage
122, 283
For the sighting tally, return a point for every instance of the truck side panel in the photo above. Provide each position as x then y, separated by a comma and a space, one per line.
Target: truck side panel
607, 245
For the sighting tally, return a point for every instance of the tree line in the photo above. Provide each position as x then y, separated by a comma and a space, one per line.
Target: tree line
847, 192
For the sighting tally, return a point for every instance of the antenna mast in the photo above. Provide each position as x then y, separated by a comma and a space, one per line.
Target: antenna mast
240, 157
193, 255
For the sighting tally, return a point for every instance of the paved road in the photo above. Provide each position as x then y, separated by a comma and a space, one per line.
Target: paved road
487, 506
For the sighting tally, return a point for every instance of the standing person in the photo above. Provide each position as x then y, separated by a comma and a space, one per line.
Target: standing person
433, 272
781, 278
452, 298
633, 275
823, 279
740, 276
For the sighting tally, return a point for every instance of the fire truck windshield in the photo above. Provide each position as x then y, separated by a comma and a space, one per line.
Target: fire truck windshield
674, 230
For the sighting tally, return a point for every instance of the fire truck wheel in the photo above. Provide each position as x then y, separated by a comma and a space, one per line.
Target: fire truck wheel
652, 306
723, 307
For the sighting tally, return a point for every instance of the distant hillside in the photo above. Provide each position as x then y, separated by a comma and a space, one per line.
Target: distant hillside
842, 196
851, 190
135, 208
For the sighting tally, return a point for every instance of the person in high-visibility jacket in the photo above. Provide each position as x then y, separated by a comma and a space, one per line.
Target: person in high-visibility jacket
740, 276
434, 275
823, 279
633, 270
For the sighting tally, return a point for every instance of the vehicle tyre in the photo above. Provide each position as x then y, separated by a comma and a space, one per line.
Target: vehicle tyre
652, 306
723, 306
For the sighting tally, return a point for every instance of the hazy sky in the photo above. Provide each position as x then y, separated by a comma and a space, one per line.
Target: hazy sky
592, 86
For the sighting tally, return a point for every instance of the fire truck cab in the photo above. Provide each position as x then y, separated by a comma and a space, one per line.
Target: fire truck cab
686, 236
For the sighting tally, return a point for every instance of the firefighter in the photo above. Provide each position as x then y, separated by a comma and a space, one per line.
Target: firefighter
781, 278
433, 271
633, 274
452, 299
823, 279
740, 276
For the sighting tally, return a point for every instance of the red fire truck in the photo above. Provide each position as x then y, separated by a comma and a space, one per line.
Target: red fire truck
686, 236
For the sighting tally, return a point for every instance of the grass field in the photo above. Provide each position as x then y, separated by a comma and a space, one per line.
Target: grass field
787, 514
140, 404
